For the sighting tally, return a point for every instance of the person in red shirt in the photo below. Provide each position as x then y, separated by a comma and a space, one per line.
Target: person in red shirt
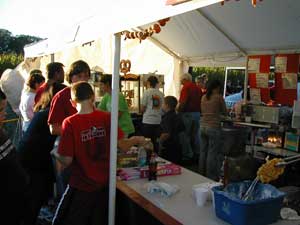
60, 109
61, 106
189, 108
55, 74
85, 147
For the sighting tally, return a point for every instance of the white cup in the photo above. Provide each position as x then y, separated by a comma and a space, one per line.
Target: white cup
201, 195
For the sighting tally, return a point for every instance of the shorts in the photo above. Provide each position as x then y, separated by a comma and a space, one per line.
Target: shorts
82, 208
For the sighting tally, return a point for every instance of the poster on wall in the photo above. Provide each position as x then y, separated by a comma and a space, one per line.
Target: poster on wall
289, 81
262, 80
280, 64
253, 65
255, 95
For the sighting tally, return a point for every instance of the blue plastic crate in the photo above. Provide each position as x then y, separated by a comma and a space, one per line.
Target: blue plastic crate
262, 209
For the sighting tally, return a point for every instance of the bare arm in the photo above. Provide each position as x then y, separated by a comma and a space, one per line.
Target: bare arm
55, 129
126, 143
180, 106
223, 105
64, 160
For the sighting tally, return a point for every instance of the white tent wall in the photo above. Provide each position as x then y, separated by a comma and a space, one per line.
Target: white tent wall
145, 57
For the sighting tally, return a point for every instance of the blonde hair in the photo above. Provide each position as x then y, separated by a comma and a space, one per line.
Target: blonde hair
186, 76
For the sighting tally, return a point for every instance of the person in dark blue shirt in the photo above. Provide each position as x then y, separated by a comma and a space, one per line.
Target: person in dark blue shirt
171, 125
34, 151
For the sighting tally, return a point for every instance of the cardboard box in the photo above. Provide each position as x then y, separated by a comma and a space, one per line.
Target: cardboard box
127, 160
167, 169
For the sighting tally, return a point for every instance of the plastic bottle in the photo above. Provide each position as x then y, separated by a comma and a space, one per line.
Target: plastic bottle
148, 146
142, 157
152, 167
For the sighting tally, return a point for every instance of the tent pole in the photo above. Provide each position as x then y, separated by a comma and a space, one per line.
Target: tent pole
52, 57
114, 129
225, 82
246, 81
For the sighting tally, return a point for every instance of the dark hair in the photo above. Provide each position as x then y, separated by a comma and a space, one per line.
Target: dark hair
2, 95
47, 96
212, 85
82, 91
153, 81
106, 79
52, 68
36, 71
171, 101
77, 67
33, 79
248, 94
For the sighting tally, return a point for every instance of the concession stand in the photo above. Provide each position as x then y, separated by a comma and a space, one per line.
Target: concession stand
254, 117
211, 33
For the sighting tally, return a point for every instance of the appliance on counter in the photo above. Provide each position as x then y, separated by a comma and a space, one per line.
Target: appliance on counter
265, 114
130, 88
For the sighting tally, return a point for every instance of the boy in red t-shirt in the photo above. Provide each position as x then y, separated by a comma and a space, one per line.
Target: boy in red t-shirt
85, 146
60, 109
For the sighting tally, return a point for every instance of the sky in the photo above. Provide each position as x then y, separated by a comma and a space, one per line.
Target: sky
43, 17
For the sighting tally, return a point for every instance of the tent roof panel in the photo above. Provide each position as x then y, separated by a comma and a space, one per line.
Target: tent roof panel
191, 35
196, 34
271, 25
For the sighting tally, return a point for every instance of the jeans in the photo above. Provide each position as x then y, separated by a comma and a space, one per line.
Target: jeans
211, 153
190, 138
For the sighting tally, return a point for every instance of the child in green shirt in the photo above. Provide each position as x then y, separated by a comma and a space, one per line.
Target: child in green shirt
125, 121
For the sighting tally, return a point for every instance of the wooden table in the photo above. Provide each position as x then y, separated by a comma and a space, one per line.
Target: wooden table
178, 209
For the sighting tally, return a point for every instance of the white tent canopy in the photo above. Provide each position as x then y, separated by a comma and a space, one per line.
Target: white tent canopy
211, 36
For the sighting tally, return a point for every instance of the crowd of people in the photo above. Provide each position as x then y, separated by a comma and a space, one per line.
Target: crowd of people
66, 140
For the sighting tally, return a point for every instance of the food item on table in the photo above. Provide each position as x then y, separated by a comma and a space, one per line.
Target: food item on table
269, 172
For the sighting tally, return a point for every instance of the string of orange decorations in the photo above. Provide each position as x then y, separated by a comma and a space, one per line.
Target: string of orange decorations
252, 1
142, 35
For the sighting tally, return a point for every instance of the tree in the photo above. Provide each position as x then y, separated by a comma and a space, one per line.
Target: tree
14, 44
5, 39
11, 49
9, 61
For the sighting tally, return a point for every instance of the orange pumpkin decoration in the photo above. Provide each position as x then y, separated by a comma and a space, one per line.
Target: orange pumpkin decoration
156, 28
127, 34
162, 22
